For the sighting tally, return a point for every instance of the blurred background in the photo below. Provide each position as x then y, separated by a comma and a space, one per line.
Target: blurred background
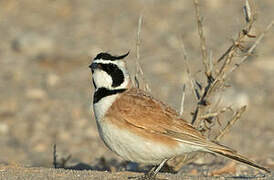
45, 84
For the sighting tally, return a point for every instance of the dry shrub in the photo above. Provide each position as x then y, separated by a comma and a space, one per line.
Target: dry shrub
208, 116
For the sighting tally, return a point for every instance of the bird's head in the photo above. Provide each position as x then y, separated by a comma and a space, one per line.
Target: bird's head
109, 71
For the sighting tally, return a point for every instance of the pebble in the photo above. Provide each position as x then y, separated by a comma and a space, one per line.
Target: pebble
36, 94
52, 79
4, 128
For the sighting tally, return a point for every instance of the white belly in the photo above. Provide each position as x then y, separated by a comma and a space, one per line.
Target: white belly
136, 148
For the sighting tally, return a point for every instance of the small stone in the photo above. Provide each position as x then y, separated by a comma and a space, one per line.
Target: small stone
4, 128
52, 79
36, 94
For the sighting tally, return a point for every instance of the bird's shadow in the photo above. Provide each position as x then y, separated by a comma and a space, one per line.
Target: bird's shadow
108, 165
100, 164
103, 164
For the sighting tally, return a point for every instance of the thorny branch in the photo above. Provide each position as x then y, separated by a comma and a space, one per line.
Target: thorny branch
201, 35
216, 73
230, 123
251, 49
217, 80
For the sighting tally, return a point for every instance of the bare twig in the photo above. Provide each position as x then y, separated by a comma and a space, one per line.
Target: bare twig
216, 72
137, 84
217, 82
230, 123
209, 115
206, 62
210, 62
139, 70
251, 49
63, 160
138, 42
185, 57
250, 16
54, 156
226, 53
183, 99
201, 35
184, 51
215, 115
247, 11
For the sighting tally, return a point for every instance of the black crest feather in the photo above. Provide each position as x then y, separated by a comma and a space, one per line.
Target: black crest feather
107, 56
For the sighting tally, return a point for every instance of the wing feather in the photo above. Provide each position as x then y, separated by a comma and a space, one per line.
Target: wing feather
164, 123
156, 117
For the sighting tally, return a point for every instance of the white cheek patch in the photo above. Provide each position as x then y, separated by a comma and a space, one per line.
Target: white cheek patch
102, 79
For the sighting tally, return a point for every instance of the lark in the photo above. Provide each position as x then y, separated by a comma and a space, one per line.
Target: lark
140, 128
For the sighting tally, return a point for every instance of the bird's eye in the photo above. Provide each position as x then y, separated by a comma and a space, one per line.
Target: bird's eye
99, 66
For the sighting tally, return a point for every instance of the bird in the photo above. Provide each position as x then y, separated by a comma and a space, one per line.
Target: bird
140, 128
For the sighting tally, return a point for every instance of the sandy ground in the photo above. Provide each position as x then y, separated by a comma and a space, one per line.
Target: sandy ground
13, 172
46, 90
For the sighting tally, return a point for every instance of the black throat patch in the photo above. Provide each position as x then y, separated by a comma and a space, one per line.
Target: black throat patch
104, 92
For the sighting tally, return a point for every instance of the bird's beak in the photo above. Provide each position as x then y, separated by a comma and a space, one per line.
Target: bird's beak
93, 66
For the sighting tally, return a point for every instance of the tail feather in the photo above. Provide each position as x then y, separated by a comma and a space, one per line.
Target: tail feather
230, 153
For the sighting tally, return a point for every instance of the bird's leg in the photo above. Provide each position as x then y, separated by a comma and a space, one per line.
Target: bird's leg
153, 172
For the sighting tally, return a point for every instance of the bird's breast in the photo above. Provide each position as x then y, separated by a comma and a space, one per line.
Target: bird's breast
130, 146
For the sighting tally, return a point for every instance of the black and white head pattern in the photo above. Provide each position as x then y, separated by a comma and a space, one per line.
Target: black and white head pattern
109, 75
109, 71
